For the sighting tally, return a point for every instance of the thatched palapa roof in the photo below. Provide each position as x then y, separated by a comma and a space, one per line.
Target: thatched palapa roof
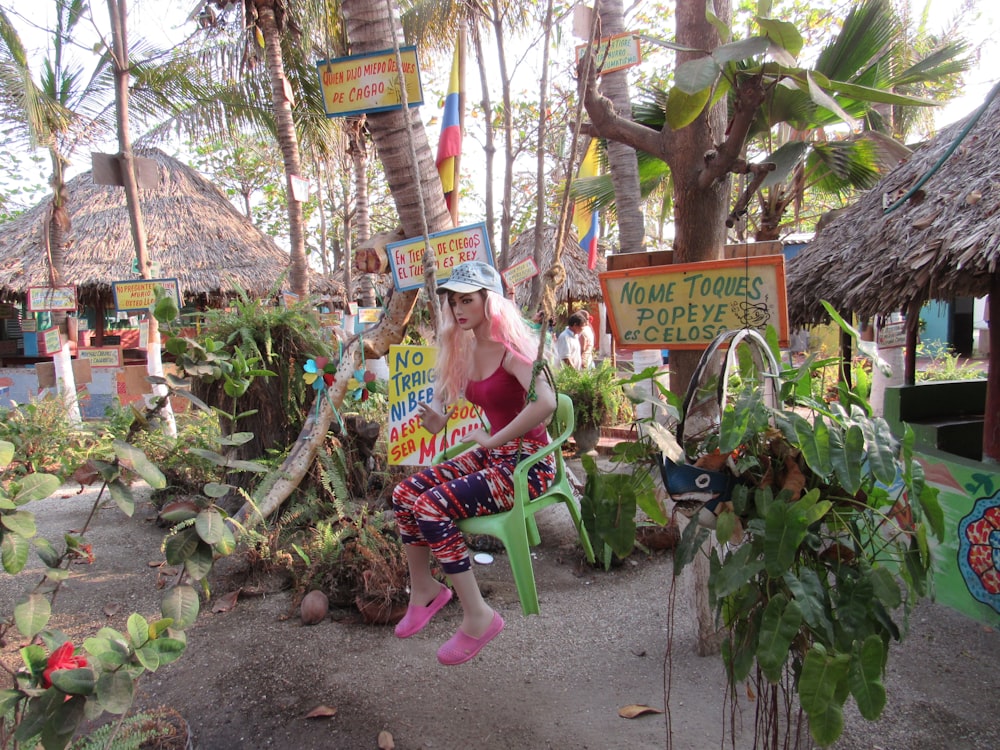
943, 242
581, 282
193, 231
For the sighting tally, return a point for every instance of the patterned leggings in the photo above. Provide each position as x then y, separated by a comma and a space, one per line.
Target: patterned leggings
477, 483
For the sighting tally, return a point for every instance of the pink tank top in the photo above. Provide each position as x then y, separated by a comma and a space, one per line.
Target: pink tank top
502, 398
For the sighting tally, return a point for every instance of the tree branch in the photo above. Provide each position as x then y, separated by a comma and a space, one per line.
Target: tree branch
749, 97
606, 123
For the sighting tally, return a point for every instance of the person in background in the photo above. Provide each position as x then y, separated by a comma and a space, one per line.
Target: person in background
487, 355
586, 342
568, 351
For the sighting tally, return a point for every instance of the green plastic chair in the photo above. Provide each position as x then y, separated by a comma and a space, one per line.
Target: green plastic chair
516, 528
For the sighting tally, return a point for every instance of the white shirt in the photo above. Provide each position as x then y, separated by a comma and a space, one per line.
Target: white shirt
568, 348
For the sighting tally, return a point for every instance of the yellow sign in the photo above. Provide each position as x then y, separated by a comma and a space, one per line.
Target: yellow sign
685, 306
369, 83
103, 356
450, 247
614, 53
369, 314
519, 272
411, 383
139, 295
42, 298
51, 341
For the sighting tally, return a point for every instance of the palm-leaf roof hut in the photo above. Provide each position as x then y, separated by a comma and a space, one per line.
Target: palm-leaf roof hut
582, 284
941, 241
193, 231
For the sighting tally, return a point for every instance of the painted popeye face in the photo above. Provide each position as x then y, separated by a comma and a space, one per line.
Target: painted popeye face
469, 309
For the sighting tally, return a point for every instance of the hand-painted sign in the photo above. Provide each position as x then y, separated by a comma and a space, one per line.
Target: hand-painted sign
519, 272
411, 383
139, 295
451, 247
892, 335
614, 53
369, 315
102, 356
369, 83
50, 340
50, 298
685, 306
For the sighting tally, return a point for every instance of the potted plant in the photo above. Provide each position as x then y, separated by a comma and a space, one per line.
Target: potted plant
597, 397
824, 518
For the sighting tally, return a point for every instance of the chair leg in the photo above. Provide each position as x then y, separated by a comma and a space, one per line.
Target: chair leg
531, 527
519, 555
574, 513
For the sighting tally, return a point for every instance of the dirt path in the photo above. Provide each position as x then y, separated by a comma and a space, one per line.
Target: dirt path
556, 680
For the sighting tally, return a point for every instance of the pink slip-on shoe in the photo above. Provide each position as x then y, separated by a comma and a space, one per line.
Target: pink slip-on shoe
416, 618
460, 648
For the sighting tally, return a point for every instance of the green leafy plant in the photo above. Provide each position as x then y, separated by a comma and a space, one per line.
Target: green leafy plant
597, 395
60, 683
945, 364
825, 552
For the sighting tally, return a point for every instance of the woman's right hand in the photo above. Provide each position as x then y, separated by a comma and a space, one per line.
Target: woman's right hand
431, 419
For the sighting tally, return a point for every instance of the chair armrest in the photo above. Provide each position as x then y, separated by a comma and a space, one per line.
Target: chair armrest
452, 451
521, 470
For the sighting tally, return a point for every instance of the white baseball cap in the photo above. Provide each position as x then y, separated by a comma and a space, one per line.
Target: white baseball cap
472, 276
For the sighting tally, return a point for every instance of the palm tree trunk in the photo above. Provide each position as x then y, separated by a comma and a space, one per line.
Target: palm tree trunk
622, 158
298, 275
415, 188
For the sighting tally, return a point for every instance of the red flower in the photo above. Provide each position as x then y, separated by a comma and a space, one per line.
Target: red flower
62, 658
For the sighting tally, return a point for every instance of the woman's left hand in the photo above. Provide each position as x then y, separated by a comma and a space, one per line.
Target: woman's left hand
483, 438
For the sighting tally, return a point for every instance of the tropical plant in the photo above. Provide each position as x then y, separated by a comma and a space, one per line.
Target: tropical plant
824, 550
598, 398
59, 682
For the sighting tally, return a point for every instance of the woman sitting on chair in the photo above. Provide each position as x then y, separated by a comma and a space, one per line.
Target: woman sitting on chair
486, 354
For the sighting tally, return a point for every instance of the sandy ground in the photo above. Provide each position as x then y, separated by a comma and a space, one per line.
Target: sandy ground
557, 680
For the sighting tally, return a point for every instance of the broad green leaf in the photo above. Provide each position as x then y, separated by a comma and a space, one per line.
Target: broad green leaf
693, 536
814, 441
683, 108
932, 510
847, 455
138, 629
785, 531
122, 495
199, 564
31, 614
169, 649
741, 50
8, 699
697, 75
881, 451
136, 460
107, 651
210, 525
35, 487
237, 438
178, 513
254, 466
180, 545
227, 544
74, 681
149, 657
115, 691
6, 453
215, 490
64, 716
782, 33
808, 591
865, 677
737, 570
821, 674
159, 627
725, 524
778, 628
827, 725
20, 522
46, 552
886, 588
181, 604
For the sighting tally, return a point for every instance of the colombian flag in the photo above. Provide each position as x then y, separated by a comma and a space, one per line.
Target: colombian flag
450, 143
584, 219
